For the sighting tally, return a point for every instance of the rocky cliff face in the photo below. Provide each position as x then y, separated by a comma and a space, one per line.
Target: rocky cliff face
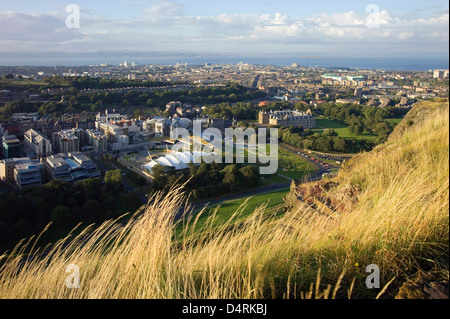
328, 196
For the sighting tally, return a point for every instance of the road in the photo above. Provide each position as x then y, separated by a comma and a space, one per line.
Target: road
320, 170
317, 175
126, 185
256, 81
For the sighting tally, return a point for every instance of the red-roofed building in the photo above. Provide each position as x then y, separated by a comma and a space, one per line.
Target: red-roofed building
299, 102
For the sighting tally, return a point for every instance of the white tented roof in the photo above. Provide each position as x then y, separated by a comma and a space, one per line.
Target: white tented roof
179, 160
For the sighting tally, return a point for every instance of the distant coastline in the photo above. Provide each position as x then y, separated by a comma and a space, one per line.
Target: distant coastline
314, 58
375, 63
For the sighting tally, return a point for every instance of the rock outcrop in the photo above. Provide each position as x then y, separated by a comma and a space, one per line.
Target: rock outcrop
425, 285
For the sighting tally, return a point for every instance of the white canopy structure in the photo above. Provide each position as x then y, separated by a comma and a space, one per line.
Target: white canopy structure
179, 160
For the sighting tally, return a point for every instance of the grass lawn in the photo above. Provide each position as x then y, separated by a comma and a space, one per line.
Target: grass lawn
327, 123
395, 121
292, 165
273, 200
273, 179
340, 129
18, 82
289, 164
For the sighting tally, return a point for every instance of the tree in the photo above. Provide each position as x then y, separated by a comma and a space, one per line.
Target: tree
161, 175
339, 144
113, 181
90, 188
22, 227
358, 130
93, 211
133, 200
330, 132
231, 177
60, 215
242, 124
137, 113
383, 129
250, 175
211, 190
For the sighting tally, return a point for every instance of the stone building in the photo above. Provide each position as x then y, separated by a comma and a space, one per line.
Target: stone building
288, 118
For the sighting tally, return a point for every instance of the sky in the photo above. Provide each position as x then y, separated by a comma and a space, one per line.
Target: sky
240, 27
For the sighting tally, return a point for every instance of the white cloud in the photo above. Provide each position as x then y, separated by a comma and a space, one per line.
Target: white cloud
164, 26
18, 27
164, 8
405, 35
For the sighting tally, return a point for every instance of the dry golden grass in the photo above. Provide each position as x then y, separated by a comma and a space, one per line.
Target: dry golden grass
400, 223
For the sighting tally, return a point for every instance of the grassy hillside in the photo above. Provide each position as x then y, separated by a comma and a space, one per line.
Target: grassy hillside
388, 207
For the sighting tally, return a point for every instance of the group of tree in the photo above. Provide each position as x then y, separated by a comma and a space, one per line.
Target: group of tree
65, 204
85, 82
328, 141
243, 111
362, 118
76, 101
18, 106
208, 180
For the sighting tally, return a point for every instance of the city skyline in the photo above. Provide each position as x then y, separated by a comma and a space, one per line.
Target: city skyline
410, 29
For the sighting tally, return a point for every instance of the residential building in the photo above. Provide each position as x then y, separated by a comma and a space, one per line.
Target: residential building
13, 128
180, 123
108, 117
358, 92
438, 74
70, 167
172, 106
98, 140
162, 128
7, 168
37, 142
109, 129
21, 172
347, 101
29, 174
33, 117
11, 146
68, 141
178, 108
218, 124
86, 125
128, 126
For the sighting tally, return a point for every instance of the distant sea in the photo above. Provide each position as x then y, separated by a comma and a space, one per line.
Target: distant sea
379, 63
